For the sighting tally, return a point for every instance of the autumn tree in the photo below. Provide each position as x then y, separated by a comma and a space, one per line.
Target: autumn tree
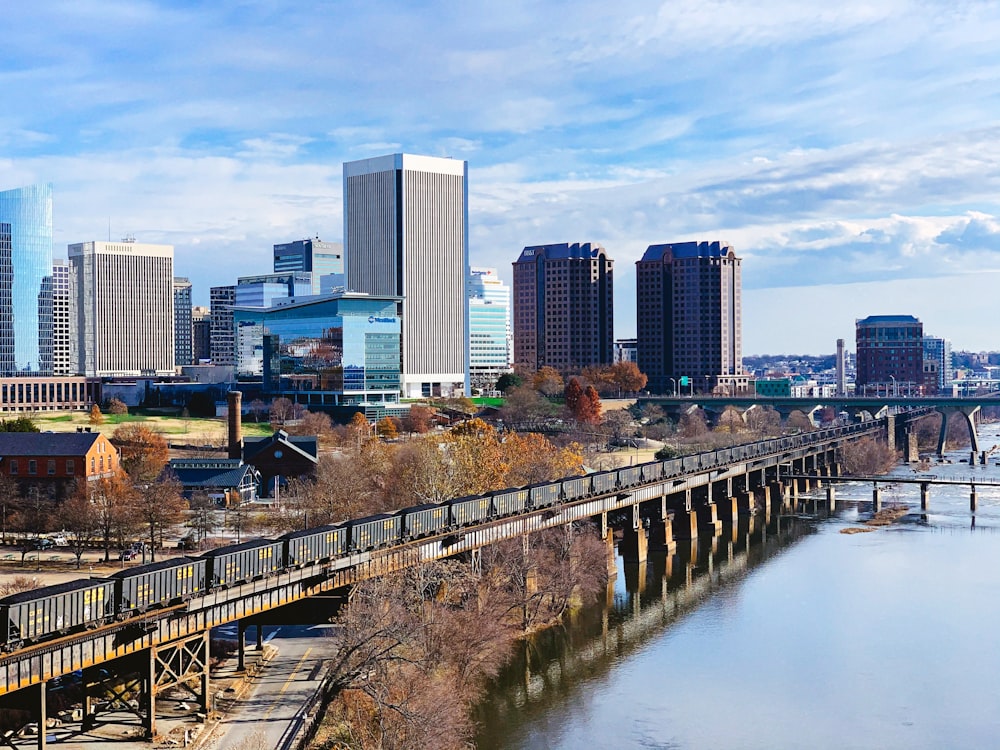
589, 409
530, 458
80, 517
417, 419
525, 407
144, 452
113, 502
548, 381
572, 396
96, 417
117, 407
386, 428
423, 473
627, 377
159, 506
313, 423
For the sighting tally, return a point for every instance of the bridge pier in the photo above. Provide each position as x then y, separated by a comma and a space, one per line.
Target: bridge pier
972, 499
876, 499
661, 535
708, 519
746, 503
925, 496
43, 718
729, 511
635, 577
686, 525
609, 540
831, 498
634, 545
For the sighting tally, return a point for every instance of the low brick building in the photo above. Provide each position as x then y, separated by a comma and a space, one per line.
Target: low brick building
56, 460
280, 457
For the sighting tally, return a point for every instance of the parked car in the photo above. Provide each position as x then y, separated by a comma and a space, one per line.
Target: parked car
128, 554
41, 543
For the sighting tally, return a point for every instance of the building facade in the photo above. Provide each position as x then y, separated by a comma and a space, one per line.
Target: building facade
890, 354
406, 224
563, 307
123, 308
183, 354
223, 341
315, 256
201, 334
49, 394
62, 325
627, 350
939, 351
689, 317
26, 281
489, 327
341, 351
56, 461
263, 290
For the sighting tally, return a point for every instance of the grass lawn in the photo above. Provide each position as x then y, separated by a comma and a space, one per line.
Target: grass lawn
177, 429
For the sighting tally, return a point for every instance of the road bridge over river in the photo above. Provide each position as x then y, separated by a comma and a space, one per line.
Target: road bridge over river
678, 499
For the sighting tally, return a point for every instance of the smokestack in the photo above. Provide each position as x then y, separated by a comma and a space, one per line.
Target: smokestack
235, 399
841, 369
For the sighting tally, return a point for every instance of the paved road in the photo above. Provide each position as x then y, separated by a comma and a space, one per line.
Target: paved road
269, 711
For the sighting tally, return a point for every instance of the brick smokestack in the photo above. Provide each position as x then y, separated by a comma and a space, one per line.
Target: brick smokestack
235, 399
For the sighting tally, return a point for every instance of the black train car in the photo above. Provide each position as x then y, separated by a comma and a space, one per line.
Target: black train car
159, 584
239, 563
375, 531
605, 482
424, 520
466, 511
510, 502
576, 488
41, 613
630, 476
544, 495
314, 545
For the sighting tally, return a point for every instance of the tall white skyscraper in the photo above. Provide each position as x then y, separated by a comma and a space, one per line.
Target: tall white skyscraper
489, 327
123, 308
406, 234
61, 321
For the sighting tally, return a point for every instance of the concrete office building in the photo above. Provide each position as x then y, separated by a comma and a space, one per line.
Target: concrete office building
689, 317
26, 281
123, 308
183, 354
62, 324
201, 334
890, 353
223, 342
489, 327
406, 234
321, 259
563, 307
626, 350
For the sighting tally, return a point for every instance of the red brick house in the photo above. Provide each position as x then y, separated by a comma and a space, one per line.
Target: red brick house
56, 459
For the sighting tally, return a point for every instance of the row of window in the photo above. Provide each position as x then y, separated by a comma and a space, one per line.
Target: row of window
15, 467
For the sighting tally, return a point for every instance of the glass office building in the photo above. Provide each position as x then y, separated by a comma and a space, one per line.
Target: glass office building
489, 327
334, 351
26, 281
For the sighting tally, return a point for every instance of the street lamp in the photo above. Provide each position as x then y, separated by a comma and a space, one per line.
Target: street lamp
673, 387
895, 392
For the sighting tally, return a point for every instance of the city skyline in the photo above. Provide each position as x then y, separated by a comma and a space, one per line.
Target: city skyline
830, 146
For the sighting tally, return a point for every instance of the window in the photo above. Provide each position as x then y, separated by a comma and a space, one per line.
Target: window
13, 467
70, 466
93, 465
32, 466
52, 467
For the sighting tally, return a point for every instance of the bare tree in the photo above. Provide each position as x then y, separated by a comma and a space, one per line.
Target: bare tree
79, 516
159, 505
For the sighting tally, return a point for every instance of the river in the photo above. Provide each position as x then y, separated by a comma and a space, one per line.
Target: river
786, 634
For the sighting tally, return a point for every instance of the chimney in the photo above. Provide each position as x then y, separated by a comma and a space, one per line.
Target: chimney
235, 399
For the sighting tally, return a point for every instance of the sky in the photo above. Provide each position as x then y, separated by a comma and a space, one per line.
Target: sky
849, 151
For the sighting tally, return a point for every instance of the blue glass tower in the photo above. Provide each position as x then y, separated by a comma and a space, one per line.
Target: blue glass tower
25, 281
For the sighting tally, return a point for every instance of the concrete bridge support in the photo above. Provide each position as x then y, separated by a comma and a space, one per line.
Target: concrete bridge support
831, 498
925, 496
708, 519
969, 415
973, 502
634, 545
746, 503
729, 511
876, 499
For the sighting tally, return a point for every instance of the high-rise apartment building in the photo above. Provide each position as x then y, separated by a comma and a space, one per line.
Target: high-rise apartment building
182, 321
223, 343
689, 317
62, 325
201, 333
890, 353
489, 327
312, 255
406, 224
123, 308
563, 307
939, 351
26, 281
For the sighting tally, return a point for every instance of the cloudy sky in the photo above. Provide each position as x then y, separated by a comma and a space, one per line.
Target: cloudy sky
850, 151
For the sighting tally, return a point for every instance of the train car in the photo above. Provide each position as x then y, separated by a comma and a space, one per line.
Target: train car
509, 502
158, 584
629, 476
42, 613
310, 546
239, 563
376, 531
576, 488
605, 482
543, 495
672, 467
423, 520
466, 511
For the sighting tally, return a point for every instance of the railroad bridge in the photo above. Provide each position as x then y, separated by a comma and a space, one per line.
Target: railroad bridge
678, 499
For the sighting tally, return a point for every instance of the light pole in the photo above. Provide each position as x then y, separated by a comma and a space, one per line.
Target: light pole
673, 387
895, 392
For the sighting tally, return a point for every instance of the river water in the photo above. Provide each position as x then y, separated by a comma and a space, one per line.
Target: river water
785, 634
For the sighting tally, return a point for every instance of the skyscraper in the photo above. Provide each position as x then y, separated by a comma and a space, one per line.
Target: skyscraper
689, 317
223, 343
489, 327
25, 281
563, 307
123, 308
939, 351
61, 320
201, 327
182, 321
406, 224
312, 255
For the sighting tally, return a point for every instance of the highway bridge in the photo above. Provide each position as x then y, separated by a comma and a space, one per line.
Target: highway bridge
169, 647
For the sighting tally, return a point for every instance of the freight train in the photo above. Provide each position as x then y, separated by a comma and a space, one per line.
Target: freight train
51, 611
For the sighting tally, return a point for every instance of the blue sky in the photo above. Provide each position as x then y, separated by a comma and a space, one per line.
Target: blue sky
850, 151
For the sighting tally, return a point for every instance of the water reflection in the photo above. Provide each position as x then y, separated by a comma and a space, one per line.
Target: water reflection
782, 633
